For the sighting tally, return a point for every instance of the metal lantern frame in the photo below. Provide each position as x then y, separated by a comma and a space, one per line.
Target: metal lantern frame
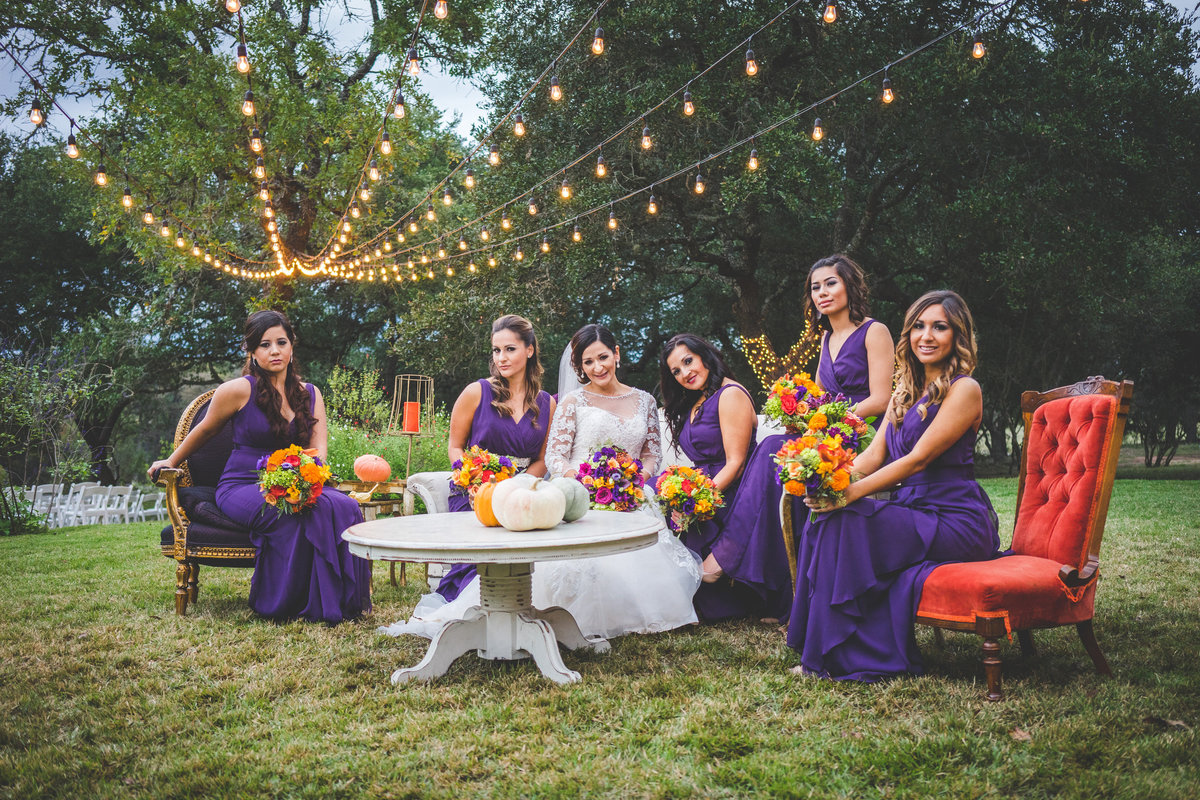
412, 411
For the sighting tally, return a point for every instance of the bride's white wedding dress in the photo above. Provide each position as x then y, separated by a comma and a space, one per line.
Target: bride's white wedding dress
646, 591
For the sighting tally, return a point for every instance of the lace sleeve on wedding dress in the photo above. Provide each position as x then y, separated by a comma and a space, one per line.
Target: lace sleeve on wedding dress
652, 450
562, 436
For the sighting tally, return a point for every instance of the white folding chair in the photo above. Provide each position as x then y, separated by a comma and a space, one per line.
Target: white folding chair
116, 505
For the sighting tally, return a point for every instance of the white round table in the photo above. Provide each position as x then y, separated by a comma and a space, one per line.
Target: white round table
505, 625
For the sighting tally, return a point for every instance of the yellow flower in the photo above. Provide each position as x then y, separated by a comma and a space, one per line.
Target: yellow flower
293, 495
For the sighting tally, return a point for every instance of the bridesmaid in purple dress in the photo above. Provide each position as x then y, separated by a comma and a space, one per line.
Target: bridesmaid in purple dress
862, 566
712, 421
507, 414
856, 360
303, 567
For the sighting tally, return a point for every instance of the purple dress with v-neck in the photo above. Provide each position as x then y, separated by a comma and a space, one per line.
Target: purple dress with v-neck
303, 567
701, 441
751, 549
861, 569
503, 436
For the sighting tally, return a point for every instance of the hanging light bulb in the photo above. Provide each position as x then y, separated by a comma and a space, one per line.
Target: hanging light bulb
264, 193
127, 199
484, 234
355, 211
414, 63
233, 6
818, 133
441, 252
180, 242
364, 193
471, 266
491, 261
556, 93
533, 206
520, 254
72, 147
260, 169
519, 125
256, 142
564, 191
752, 163
462, 243
601, 167
269, 210
387, 246
101, 175
449, 272
248, 103
505, 222
977, 49
652, 206
195, 250
243, 59
385, 143
689, 107
646, 142
699, 185
398, 110
346, 227
373, 170
545, 246
577, 235
165, 230
35, 113
751, 63
469, 179
440, 9
494, 155
598, 41
148, 216
612, 219
412, 225
888, 94
430, 214
424, 258
830, 14
447, 197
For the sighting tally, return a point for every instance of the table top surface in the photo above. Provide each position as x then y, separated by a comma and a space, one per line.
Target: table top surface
461, 538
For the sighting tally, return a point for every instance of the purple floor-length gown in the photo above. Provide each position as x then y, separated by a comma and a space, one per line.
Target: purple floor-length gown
303, 567
861, 568
700, 440
503, 436
751, 547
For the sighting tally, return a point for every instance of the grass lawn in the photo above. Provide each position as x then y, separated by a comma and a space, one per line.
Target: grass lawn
105, 693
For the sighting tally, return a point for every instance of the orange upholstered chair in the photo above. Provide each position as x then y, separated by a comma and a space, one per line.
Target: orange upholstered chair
1072, 439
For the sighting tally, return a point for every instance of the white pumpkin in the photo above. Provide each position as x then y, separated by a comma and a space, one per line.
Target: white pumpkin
578, 499
528, 505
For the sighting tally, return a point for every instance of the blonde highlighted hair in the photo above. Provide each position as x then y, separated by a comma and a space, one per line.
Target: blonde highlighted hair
523, 328
910, 372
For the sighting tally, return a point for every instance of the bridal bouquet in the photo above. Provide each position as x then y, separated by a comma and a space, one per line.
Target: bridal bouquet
817, 466
613, 479
477, 466
793, 399
292, 479
686, 495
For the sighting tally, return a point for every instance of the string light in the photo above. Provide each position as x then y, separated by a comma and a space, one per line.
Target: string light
494, 155
243, 59
818, 133
652, 206
412, 225
977, 49
447, 197
533, 206
263, 192
441, 252
248, 103
462, 243
165, 230
518, 125
520, 254
699, 185
545, 244
256, 142
484, 233
101, 175
35, 113
346, 227
752, 164
888, 95
127, 200
355, 211
556, 92
598, 42
441, 9
269, 210
398, 110
385, 143
148, 216
612, 219
491, 261
469, 179
751, 64
72, 147
260, 169
373, 170
689, 107
414, 63
831, 12
180, 242
601, 167
364, 193
646, 141
577, 235
430, 214
471, 266
233, 6
564, 191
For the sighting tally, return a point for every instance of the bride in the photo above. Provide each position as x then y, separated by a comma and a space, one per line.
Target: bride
645, 591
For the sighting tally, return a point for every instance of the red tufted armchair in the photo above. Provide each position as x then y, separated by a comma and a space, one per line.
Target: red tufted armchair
1072, 439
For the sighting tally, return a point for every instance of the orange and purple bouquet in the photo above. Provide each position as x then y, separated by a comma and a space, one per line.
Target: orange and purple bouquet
818, 464
792, 400
478, 466
613, 479
292, 479
686, 495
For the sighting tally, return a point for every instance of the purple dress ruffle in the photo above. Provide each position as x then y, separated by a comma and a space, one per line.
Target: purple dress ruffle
303, 568
504, 437
700, 440
861, 569
751, 547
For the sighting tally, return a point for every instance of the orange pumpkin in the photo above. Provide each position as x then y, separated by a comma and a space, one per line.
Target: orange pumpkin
372, 469
483, 505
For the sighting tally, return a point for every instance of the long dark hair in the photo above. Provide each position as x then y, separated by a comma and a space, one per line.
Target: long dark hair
678, 401
910, 373
857, 295
584, 338
523, 328
265, 396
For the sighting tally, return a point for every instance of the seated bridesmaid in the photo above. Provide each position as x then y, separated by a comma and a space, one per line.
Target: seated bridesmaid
856, 360
712, 420
507, 414
862, 562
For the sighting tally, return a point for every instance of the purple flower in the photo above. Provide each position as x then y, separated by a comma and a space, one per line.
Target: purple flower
286, 466
457, 463
262, 462
604, 496
505, 461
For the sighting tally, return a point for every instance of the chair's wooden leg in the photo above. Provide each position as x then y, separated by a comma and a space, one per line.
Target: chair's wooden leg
182, 570
991, 667
1028, 648
392, 572
403, 575
1088, 636
193, 582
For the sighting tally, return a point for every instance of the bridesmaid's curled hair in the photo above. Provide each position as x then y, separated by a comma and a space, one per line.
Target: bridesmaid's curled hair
265, 396
910, 372
584, 338
501, 391
678, 401
857, 295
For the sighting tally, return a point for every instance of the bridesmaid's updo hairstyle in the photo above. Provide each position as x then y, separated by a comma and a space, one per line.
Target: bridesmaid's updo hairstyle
678, 401
584, 338
523, 328
265, 396
857, 294
910, 372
